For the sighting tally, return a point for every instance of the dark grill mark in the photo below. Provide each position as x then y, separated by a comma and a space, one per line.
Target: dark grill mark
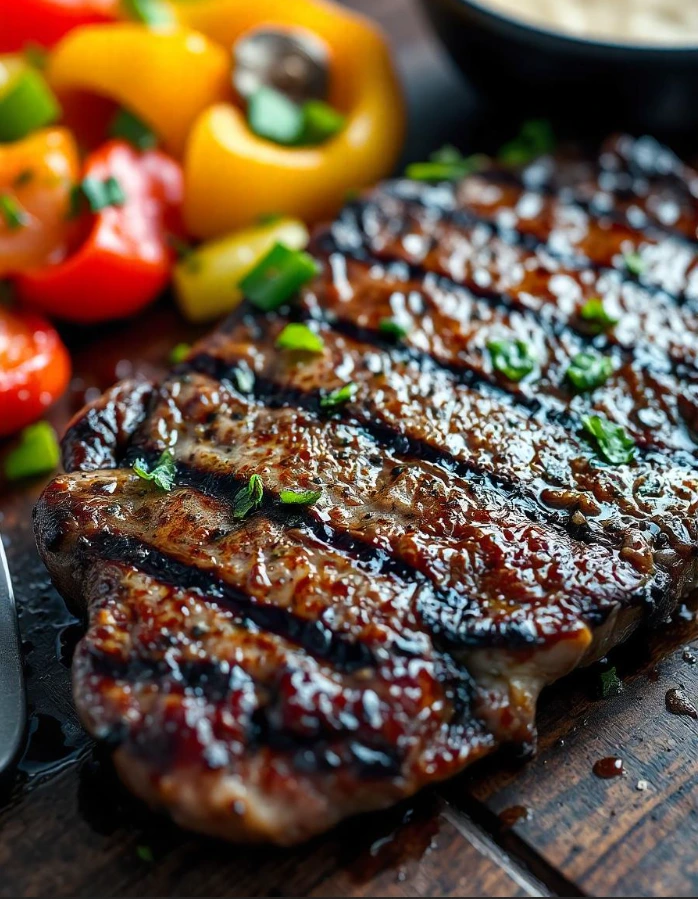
319, 641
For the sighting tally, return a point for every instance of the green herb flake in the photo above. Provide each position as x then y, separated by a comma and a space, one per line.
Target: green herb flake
126, 126
589, 370
609, 683
277, 277
152, 13
12, 213
162, 474
179, 353
339, 397
269, 218
274, 117
392, 329
36, 453
320, 122
446, 164
249, 497
145, 854
595, 314
299, 497
26, 176
98, 194
634, 263
613, 444
536, 138
35, 55
300, 338
513, 358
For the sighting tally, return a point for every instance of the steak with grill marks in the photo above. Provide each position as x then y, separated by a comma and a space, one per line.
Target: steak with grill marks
263, 677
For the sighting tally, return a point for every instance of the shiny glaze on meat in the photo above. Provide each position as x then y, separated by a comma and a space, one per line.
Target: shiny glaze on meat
263, 677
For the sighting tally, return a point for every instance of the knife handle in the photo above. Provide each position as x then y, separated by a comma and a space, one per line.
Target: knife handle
13, 709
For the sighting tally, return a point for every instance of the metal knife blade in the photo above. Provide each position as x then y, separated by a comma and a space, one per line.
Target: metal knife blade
13, 714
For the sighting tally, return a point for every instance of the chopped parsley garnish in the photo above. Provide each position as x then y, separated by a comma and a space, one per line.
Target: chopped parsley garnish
277, 277
249, 497
513, 358
339, 397
536, 138
299, 497
12, 213
609, 683
300, 338
613, 444
179, 353
98, 194
589, 370
446, 164
320, 122
150, 12
594, 313
388, 327
128, 127
634, 263
162, 474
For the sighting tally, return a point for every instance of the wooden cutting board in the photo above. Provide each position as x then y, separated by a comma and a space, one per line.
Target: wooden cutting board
549, 827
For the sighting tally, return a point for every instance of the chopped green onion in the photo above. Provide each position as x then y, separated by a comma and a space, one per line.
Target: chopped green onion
536, 138
37, 453
248, 497
145, 854
102, 194
609, 683
273, 116
299, 497
614, 445
589, 370
594, 312
150, 12
513, 358
300, 338
446, 164
127, 127
320, 122
26, 101
277, 277
12, 213
339, 397
162, 474
634, 263
392, 329
179, 353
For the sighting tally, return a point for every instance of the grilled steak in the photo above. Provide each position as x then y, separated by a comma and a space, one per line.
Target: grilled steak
263, 672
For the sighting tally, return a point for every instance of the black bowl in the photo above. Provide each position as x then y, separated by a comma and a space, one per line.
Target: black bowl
587, 84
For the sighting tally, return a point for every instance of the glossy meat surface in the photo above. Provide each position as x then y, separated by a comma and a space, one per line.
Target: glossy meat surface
263, 676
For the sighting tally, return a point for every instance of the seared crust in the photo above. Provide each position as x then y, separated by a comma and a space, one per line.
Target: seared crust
262, 677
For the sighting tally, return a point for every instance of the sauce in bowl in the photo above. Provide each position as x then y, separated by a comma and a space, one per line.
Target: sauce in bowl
665, 22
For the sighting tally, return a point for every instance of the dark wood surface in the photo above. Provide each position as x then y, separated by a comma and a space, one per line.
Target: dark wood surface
67, 828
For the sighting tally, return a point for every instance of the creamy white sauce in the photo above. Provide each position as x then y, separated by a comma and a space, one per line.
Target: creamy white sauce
625, 21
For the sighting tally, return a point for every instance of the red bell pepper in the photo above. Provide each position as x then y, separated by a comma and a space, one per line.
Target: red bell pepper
126, 258
45, 22
34, 368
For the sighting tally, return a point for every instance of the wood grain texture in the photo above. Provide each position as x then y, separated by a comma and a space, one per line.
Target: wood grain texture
67, 827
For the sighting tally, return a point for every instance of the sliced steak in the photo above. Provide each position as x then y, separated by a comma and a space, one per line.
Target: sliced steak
263, 673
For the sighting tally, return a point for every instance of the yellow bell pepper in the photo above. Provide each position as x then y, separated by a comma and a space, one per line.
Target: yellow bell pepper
206, 280
232, 176
178, 80
166, 77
